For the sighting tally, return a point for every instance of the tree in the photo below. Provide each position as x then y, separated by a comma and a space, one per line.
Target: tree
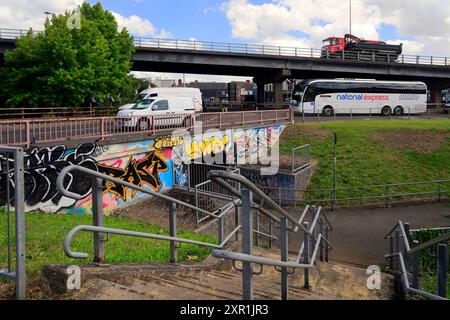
65, 66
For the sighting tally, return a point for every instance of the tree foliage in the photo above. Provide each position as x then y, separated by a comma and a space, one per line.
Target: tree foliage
65, 66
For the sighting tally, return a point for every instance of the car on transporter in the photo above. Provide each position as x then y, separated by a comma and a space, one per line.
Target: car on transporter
335, 96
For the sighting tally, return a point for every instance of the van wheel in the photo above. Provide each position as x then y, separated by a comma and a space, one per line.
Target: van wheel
386, 111
398, 111
328, 111
143, 124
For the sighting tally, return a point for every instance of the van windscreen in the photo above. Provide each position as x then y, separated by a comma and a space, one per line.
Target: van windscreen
144, 104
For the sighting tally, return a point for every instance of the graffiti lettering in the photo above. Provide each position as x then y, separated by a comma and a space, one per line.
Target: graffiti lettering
168, 142
141, 173
43, 166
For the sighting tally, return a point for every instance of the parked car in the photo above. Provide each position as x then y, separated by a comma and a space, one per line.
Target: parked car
193, 93
161, 112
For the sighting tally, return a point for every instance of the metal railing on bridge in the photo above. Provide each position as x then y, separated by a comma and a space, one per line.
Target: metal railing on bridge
258, 49
33, 131
312, 222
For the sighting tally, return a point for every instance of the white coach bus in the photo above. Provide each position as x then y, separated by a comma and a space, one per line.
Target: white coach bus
328, 97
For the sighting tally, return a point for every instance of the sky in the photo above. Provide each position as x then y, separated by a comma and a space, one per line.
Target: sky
423, 26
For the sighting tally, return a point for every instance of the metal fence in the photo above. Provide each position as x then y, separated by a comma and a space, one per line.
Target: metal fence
384, 194
44, 112
406, 253
257, 49
27, 132
12, 193
433, 111
300, 158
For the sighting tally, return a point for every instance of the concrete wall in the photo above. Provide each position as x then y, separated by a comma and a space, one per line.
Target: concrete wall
152, 164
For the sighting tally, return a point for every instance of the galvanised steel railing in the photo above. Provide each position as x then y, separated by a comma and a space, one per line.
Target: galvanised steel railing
383, 193
12, 193
317, 240
300, 158
32, 131
257, 49
408, 260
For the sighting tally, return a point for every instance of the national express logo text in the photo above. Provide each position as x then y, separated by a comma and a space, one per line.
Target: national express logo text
362, 97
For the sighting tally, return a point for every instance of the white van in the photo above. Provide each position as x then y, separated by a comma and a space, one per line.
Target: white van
140, 116
194, 93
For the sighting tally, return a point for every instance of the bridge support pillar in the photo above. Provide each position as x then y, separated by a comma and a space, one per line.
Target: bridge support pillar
278, 93
260, 95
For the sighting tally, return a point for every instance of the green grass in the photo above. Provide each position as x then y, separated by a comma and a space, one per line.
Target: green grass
45, 235
362, 161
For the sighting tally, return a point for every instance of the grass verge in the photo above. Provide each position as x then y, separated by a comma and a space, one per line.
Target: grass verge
45, 235
373, 153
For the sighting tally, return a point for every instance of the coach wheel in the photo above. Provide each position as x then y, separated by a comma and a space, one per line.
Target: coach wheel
143, 124
328, 111
398, 111
386, 111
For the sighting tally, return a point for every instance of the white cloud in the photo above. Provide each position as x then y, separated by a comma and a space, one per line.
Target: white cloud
23, 14
423, 22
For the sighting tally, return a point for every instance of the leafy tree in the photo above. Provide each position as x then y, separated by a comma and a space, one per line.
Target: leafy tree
65, 66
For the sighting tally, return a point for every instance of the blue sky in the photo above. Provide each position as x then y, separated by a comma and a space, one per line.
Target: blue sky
199, 19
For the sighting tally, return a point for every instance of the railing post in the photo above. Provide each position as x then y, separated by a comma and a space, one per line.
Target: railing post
236, 221
19, 208
397, 243
247, 243
391, 252
97, 211
270, 233
321, 242
439, 192
220, 227
284, 257
415, 267
257, 222
405, 251
442, 258
386, 196
173, 232
306, 254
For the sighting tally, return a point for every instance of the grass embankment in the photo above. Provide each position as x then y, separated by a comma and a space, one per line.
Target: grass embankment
374, 153
45, 235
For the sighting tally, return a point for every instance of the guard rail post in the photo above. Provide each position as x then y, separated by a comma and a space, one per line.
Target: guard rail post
415, 266
306, 253
405, 250
284, 257
442, 260
321, 225
173, 232
391, 252
247, 243
97, 212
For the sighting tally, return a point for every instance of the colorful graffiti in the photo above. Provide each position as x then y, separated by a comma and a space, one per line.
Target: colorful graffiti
209, 147
168, 142
142, 173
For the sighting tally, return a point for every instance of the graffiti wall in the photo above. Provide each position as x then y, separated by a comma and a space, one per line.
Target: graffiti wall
154, 164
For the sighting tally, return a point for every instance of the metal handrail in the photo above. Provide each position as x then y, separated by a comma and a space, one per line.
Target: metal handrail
218, 176
234, 256
411, 252
72, 195
82, 255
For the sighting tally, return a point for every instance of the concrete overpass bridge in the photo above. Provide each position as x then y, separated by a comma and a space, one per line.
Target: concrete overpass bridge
272, 64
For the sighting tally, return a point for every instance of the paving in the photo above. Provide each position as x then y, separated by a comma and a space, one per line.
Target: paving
358, 235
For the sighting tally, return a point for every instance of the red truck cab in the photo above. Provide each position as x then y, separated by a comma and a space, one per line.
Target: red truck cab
333, 45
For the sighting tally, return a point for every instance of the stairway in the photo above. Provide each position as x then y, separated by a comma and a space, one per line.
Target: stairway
329, 281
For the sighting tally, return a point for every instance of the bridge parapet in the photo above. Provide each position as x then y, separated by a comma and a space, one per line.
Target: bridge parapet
25, 132
258, 49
